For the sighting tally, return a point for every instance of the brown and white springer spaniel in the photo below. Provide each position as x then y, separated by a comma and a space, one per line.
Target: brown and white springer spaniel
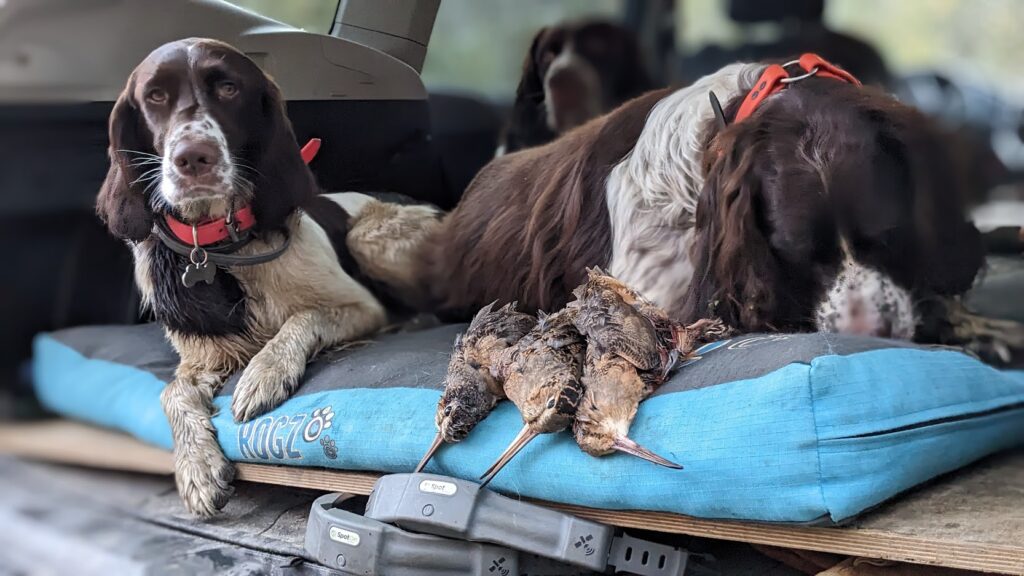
828, 208
242, 263
573, 72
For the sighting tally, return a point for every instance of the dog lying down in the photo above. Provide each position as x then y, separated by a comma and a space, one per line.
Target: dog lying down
235, 254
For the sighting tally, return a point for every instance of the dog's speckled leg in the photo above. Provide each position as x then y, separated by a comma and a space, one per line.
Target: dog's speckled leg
274, 372
201, 471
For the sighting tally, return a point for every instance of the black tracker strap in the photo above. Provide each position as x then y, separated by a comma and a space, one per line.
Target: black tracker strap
223, 255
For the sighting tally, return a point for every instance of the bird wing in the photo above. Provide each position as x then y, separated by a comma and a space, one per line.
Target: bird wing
612, 326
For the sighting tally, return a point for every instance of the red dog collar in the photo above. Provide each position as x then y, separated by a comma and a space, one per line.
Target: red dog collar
775, 78
220, 229
211, 231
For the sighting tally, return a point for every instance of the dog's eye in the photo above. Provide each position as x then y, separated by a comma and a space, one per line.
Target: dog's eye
227, 89
156, 95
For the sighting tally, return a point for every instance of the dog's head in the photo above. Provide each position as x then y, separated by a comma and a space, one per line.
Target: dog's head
579, 71
200, 130
831, 207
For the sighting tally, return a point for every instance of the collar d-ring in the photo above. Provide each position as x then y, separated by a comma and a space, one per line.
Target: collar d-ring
806, 75
196, 253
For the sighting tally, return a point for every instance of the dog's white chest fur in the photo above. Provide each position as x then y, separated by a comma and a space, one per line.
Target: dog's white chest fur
307, 276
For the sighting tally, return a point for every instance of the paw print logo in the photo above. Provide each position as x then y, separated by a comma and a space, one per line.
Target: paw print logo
330, 448
498, 567
319, 421
584, 543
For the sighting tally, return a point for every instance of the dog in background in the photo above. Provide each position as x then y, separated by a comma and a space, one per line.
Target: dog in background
235, 254
572, 73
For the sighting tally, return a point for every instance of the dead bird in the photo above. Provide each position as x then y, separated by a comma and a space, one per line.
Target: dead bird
632, 345
542, 378
471, 390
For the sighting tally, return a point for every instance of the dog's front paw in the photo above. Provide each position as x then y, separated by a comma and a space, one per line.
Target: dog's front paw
263, 386
204, 480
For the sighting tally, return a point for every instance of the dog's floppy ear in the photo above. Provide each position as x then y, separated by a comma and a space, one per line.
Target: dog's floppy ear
284, 182
531, 84
949, 249
122, 203
527, 124
734, 268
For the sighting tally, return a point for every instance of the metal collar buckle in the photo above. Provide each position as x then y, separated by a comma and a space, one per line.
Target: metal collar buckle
804, 76
232, 227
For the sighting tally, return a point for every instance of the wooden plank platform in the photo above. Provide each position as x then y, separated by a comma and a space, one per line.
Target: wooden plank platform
973, 519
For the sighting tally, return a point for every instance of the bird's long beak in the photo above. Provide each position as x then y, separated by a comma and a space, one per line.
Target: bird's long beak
520, 442
438, 440
630, 447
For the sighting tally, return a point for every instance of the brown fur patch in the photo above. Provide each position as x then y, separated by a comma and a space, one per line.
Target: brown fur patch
532, 222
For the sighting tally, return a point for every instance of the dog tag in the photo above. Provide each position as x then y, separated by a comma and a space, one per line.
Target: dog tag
196, 273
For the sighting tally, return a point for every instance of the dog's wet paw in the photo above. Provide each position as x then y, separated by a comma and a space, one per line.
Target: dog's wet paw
261, 388
204, 482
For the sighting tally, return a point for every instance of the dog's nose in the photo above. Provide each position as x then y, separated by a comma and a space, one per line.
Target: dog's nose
194, 159
567, 87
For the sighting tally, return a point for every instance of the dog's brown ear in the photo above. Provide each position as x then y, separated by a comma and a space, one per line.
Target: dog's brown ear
734, 267
950, 248
531, 84
122, 203
527, 125
284, 182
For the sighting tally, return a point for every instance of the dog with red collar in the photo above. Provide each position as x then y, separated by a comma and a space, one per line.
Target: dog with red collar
807, 202
236, 254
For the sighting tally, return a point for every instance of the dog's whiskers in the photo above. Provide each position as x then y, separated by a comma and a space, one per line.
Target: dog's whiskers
243, 165
154, 181
140, 153
147, 175
146, 162
243, 184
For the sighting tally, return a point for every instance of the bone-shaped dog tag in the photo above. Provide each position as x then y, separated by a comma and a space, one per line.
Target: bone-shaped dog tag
196, 273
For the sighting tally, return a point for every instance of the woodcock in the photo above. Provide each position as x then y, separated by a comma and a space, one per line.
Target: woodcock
471, 390
542, 378
632, 346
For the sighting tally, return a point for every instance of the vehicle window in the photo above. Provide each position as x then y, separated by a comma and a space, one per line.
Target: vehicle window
968, 39
479, 45
310, 15
976, 41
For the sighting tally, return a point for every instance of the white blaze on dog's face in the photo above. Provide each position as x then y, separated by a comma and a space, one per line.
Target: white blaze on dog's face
572, 90
867, 302
198, 177
584, 69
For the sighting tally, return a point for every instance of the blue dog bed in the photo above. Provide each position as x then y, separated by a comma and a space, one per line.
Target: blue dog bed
780, 428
